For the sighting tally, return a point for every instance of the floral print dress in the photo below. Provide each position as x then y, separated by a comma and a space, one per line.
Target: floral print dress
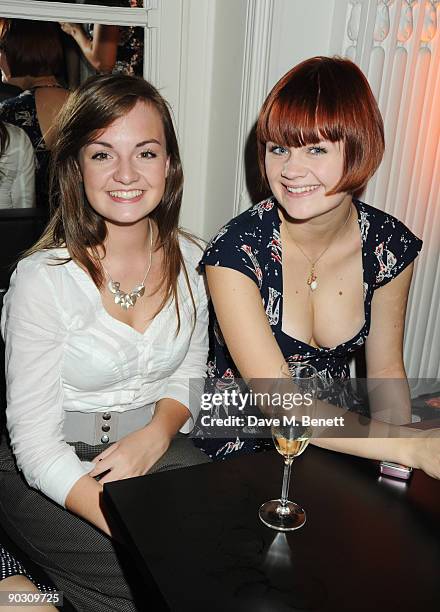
251, 244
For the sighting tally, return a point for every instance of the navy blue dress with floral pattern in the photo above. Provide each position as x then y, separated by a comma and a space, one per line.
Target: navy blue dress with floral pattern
251, 244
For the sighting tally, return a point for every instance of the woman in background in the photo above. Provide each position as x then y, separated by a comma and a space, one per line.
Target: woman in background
110, 48
105, 325
31, 56
17, 168
312, 273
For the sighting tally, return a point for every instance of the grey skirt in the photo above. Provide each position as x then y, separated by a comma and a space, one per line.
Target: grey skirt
95, 573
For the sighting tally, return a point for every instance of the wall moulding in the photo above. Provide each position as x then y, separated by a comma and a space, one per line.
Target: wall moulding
79, 13
254, 87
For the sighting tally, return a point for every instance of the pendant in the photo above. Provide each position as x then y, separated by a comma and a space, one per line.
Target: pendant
312, 281
125, 300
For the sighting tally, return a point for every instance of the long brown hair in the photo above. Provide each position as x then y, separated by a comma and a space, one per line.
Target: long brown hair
96, 104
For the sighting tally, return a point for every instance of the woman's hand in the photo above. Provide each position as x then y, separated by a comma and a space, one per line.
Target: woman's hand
424, 452
132, 455
69, 28
136, 453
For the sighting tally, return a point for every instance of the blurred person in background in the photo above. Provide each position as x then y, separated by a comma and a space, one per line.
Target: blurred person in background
17, 168
31, 57
110, 48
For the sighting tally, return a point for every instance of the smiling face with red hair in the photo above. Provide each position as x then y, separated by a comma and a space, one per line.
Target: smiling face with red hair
302, 178
322, 109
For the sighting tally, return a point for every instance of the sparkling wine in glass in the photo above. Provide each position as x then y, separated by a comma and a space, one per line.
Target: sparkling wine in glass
292, 443
291, 438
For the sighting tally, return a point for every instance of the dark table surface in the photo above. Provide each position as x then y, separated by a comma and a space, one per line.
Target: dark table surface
369, 543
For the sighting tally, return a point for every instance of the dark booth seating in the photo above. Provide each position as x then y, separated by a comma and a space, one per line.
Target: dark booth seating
19, 229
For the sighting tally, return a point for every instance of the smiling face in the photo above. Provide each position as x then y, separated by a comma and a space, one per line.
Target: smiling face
124, 169
319, 100
300, 177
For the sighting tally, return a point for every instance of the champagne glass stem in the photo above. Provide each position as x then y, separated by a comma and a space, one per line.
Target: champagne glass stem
285, 488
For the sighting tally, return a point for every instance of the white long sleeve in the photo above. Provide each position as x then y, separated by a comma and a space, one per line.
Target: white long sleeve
17, 171
34, 336
186, 384
64, 352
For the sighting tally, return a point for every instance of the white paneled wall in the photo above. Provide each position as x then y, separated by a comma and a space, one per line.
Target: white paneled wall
397, 44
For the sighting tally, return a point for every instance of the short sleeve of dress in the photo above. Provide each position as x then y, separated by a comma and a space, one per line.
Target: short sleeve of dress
395, 248
238, 246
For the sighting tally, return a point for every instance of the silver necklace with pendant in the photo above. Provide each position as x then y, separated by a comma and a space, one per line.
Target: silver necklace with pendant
128, 300
312, 279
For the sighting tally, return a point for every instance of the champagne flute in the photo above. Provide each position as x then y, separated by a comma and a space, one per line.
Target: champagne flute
291, 438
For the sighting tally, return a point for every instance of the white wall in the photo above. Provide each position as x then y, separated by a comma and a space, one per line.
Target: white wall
301, 29
223, 146
230, 52
210, 110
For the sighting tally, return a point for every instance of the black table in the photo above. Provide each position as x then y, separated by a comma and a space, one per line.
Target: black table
369, 543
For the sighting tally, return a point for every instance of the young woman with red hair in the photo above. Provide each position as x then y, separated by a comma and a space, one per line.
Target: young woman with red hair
312, 273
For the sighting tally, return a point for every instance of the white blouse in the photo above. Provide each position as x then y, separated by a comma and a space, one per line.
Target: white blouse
17, 171
64, 352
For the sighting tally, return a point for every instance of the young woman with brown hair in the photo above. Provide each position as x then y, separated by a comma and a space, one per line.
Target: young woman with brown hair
105, 324
312, 273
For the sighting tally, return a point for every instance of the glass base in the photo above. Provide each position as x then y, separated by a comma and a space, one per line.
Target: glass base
282, 518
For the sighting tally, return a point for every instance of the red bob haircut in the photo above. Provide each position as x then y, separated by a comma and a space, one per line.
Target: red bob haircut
32, 48
325, 98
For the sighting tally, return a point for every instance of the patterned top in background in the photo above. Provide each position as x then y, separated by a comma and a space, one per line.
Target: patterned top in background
251, 244
130, 52
130, 56
21, 111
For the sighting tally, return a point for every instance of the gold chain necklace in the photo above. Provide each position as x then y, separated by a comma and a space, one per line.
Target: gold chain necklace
312, 279
128, 300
